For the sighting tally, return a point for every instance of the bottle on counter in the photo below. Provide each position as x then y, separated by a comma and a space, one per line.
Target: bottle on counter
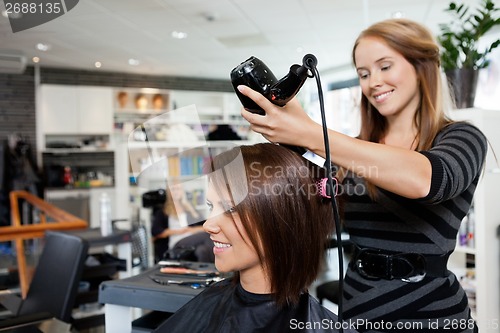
105, 214
68, 176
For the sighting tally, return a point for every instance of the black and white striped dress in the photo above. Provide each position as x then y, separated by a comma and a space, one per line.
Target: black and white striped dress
428, 226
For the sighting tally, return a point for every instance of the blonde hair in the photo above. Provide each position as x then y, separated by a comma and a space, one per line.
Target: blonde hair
170, 208
418, 46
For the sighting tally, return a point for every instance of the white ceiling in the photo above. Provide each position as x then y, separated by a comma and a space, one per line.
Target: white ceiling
221, 33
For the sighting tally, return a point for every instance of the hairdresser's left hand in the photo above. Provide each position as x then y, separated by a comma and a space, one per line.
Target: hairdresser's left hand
288, 124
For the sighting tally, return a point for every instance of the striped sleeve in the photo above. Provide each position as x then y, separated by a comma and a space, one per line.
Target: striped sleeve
457, 158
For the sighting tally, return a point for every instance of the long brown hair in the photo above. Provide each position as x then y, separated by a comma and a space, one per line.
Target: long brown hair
418, 46
287, 222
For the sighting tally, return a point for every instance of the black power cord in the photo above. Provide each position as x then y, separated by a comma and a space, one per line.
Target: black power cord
311, 62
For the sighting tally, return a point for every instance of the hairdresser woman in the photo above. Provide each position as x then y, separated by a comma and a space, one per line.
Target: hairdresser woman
403, 215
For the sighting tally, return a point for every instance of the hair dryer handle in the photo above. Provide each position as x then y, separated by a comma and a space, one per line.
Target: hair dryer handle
286, 88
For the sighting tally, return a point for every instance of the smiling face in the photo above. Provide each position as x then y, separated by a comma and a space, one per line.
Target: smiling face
232, 247
387, 79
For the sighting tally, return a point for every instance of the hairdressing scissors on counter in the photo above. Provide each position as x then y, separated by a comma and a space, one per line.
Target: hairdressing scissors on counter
195, 284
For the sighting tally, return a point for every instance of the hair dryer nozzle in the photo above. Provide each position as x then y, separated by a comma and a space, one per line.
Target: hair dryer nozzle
256, 75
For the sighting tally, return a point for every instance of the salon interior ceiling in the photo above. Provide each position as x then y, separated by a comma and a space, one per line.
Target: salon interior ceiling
220, 33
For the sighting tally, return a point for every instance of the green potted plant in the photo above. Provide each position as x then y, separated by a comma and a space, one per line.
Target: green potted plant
460, 57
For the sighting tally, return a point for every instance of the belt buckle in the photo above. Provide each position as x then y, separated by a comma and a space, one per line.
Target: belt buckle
361, 271
359, 265
416, 258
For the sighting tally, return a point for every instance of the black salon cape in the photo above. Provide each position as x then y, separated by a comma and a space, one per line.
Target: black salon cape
226, 307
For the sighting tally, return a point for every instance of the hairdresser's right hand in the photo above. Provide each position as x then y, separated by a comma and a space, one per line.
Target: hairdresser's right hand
287, 125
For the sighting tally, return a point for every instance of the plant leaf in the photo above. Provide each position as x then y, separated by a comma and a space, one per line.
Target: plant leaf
459, 38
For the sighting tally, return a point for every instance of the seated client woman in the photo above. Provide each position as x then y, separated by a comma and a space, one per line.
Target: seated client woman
270, 227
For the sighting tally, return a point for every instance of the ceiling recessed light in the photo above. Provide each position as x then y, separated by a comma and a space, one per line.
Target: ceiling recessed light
36, 60
98, 64
179, 34
398, 14
43, 47
299, 49
133, 62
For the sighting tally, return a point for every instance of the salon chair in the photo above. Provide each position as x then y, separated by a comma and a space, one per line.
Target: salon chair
54, 286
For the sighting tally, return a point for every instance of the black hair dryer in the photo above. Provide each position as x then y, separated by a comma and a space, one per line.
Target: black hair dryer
256, 75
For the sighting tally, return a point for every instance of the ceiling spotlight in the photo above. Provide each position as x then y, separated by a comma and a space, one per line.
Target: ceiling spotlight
398, 14
179, 34
36, 60
299, 49
133, 62
98, 64
43, 47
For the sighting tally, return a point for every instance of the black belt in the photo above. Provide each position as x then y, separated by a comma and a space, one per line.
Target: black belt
409, 267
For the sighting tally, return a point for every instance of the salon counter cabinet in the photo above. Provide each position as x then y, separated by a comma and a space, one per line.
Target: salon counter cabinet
84, 202
76, 109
